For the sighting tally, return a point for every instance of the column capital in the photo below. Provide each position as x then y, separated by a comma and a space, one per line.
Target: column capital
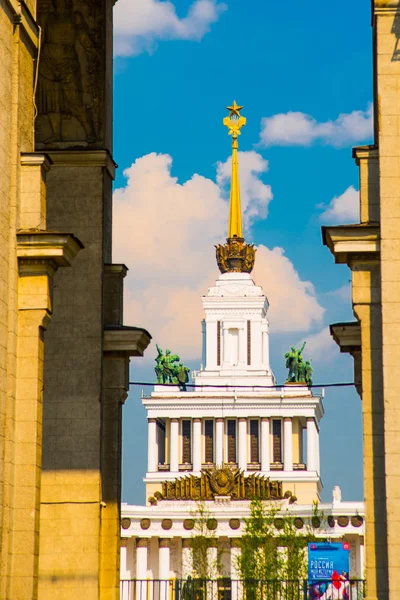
196, 420
186, 543
151, 420
219, 419
141, 542
84, 158
235, 542
388, 7
288, 419
164, 542
47, 246
265, 419
242, 419
310, 420
174, 420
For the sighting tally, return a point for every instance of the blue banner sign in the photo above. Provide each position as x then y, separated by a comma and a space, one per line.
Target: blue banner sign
327, 560
328, 570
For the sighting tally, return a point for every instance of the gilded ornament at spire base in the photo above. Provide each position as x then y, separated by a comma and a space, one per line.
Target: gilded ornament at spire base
235, 256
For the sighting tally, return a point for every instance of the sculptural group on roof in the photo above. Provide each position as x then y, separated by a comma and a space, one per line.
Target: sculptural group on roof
300, 371
170, 370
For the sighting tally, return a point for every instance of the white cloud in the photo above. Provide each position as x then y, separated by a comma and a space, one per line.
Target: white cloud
165, 232
320, 346
139, 24
293, 302
344, 208
300, 129
343, 293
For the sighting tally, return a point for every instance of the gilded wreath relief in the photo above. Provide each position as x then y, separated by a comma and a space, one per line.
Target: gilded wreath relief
71, 74
225, 481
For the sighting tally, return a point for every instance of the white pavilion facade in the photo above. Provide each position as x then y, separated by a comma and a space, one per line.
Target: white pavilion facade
232, 431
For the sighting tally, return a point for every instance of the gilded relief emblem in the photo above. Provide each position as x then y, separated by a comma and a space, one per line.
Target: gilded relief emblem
222, 482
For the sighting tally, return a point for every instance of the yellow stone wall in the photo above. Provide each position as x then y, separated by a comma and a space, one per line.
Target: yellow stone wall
7, 371
61, 390
376, 290
17, 50
387, 24
72, 421
366, 297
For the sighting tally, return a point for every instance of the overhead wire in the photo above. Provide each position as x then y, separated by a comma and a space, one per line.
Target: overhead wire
245, 387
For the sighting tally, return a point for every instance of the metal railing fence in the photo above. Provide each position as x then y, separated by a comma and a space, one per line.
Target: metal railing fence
227, 589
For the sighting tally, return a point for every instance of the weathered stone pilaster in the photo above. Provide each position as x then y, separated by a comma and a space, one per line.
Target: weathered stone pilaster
359, 247
24, 547
119, 344
39, 255
387, 86
56, 176
19, 42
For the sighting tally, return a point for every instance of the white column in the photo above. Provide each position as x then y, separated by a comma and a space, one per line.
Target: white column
236, 591
174, 445
301, 448
242, 462
124, 575
141, 569
265, 449
287, 444
187, 558
226, 357
265, 346
242, 347
212, 558
204, 343
219, 442
317, 458
211, 345
163, 567
124, 560
361, 564
152, 462
311, 435
196, 447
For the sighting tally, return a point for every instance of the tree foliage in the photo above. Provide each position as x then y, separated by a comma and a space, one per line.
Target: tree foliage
273, 556
205, 565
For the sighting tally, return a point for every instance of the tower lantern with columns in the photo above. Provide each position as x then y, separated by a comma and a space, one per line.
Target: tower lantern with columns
233, 434
233, 415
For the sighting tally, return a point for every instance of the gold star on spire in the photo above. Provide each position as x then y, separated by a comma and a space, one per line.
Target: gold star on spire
234, 110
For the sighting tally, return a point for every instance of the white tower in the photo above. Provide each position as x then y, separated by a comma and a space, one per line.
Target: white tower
235, 415
229, 437
235, 334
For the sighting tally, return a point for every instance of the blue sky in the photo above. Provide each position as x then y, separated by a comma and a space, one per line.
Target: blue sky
170, 94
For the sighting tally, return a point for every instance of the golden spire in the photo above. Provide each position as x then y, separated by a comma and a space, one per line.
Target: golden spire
234, 123
235, 256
